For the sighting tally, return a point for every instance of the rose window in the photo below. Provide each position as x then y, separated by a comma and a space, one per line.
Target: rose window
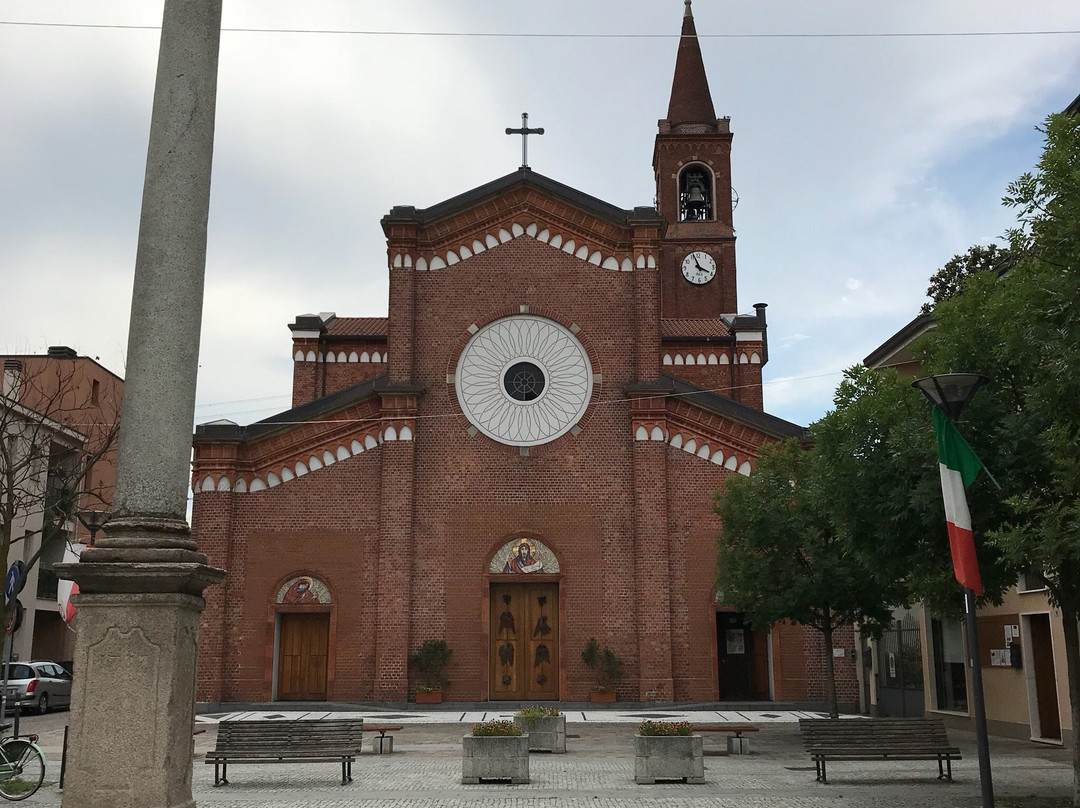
524, 380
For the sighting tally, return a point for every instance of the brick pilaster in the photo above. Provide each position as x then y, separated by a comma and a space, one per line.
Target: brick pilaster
652, 562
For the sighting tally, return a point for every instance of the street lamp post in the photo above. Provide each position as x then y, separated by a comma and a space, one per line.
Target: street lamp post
952, 392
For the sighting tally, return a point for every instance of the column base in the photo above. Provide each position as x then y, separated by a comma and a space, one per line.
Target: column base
131, 741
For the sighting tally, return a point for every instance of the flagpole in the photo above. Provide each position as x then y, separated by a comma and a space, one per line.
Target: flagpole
951, 392
982, 739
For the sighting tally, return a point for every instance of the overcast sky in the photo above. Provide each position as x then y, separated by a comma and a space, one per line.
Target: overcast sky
862, 163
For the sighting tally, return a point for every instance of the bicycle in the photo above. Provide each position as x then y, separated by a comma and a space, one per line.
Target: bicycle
22, 767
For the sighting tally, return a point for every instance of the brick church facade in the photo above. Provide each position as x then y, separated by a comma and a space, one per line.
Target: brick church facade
521, 456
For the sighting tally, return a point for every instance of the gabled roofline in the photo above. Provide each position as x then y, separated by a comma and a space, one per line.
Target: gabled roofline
521, 177
901, 339
231, 433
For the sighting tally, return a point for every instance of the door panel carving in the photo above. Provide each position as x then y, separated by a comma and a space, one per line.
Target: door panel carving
525, 641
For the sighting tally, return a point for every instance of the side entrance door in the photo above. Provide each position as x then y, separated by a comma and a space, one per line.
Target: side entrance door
303, 646
524, 641
900, 669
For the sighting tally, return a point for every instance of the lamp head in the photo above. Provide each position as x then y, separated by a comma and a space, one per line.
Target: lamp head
951, 391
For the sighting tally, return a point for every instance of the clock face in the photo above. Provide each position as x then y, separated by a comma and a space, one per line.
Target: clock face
699, 267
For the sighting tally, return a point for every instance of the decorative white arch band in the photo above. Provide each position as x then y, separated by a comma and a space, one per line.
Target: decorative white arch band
712, 358
303, 589
524, 556
570, 246
353, 357
690, 445
319, 460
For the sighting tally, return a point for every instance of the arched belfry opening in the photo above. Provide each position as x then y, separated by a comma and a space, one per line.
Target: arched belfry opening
695, 194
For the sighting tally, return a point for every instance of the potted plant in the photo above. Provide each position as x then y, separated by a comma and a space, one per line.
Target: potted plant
496, 750
606, 667
545, 726
430, 661
668, 750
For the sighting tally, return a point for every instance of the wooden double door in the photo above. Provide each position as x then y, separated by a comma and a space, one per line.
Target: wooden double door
524, 641
303, 652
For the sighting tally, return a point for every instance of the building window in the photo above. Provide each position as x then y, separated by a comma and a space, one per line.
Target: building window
1031, 580
695, 194
950, 665
95, 392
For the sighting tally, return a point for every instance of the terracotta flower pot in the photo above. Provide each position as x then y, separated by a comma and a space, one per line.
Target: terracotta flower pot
602, 696
429, 697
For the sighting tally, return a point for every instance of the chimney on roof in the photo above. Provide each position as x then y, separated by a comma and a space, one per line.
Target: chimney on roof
12, 377
62, 352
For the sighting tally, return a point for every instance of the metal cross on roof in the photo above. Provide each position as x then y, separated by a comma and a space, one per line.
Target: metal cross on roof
524, 131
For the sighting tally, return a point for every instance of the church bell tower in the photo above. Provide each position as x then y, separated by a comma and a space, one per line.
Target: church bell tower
692, 164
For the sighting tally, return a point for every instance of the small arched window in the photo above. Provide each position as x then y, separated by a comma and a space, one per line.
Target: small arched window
695, 194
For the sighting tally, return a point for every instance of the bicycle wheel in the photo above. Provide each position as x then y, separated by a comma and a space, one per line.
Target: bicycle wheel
29, 769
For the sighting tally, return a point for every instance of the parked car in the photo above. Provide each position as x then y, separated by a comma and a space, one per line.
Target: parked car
38, 686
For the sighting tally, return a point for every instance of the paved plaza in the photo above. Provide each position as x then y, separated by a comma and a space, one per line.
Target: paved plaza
425, 769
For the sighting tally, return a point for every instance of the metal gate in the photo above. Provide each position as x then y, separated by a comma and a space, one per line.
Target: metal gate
900, 668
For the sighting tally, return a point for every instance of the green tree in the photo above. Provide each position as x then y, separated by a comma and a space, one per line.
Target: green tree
1023, 331
948, 281
781, 557
879, 461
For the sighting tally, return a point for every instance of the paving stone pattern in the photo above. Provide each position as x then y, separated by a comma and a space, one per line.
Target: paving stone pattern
598, 771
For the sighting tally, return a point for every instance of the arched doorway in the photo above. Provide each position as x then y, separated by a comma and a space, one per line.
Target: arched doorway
525, 631
301, 639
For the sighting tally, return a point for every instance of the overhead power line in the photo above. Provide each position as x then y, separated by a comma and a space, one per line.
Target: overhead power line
560, 35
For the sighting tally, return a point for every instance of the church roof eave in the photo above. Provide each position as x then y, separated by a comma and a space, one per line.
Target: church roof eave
521, 177
282, 421
742, 413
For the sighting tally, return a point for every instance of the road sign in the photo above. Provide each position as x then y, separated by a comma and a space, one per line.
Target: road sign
16, 617
16, 577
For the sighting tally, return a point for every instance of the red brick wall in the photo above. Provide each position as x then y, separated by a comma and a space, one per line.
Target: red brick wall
573, 494
325, 523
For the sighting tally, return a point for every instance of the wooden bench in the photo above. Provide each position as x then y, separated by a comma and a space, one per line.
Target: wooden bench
382, 729
736, 730
878, 739
335, 740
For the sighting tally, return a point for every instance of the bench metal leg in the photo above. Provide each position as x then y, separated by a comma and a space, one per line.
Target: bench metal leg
344, 772
821, 772
223, 779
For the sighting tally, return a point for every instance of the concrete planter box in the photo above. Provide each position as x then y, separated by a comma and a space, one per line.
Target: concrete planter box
668, 757
495, 758
546, 734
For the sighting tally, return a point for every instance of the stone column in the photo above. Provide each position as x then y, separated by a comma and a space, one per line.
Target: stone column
133, 702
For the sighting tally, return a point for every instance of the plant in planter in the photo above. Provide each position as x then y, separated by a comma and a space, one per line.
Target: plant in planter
606, 667
546, 727
668, 750
496, 750
430, 661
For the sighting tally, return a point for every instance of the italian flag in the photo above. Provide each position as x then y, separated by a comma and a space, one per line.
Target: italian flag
959, 466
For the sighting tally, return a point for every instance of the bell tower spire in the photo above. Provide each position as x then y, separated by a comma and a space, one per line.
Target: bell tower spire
691, 101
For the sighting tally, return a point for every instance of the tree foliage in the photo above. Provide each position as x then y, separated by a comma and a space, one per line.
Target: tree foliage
948, 281
1023, 331
781, 555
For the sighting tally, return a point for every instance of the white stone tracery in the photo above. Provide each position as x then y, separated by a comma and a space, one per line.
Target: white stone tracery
493, 349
